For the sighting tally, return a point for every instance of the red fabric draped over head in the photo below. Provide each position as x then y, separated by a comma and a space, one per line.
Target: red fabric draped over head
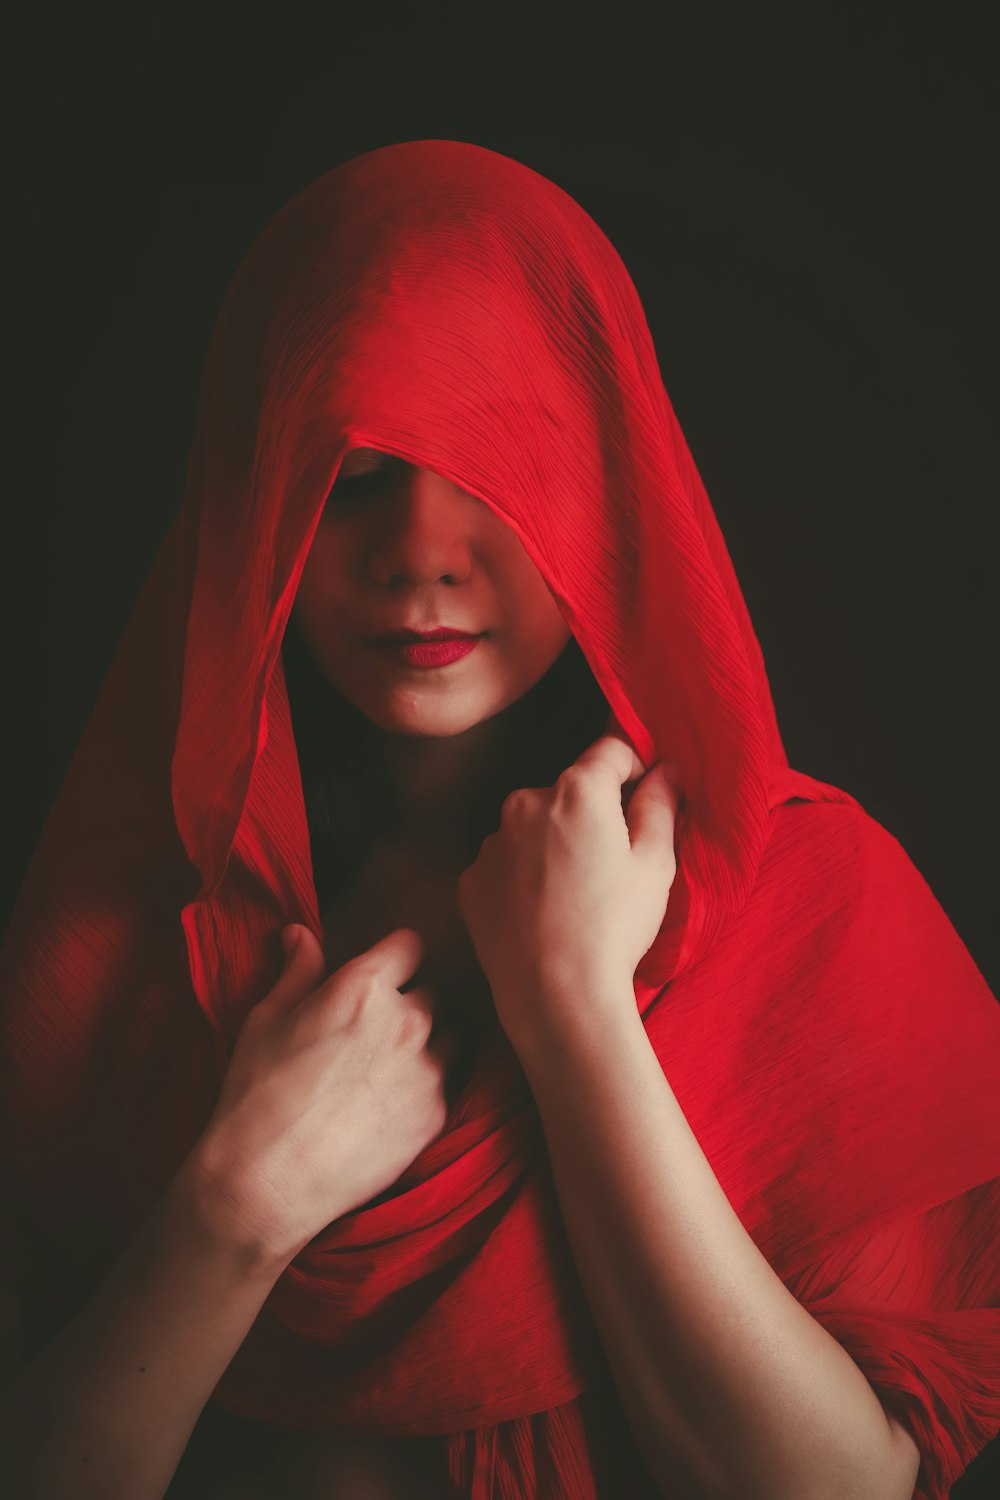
828, 1036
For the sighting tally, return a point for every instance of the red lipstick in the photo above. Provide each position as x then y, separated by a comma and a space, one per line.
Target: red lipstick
429, 648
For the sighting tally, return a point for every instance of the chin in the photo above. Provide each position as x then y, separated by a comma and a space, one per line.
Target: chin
430, 721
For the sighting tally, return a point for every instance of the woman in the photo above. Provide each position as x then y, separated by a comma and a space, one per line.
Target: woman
585, 1142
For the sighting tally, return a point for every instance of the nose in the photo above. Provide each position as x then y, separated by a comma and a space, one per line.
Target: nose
424, 532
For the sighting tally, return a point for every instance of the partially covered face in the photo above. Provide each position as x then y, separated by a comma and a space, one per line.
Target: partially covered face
399, 548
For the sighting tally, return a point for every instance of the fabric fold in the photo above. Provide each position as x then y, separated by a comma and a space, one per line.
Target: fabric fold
828, 1036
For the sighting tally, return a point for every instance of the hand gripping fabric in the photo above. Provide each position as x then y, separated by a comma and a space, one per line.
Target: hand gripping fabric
828, 1036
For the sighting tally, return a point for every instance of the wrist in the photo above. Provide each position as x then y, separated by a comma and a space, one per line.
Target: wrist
210, 1208
574, 1028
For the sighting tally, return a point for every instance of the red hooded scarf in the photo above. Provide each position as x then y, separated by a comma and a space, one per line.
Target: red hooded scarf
830, 1040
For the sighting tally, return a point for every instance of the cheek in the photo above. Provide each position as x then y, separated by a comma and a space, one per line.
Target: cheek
542, 631
321, 583
543, 609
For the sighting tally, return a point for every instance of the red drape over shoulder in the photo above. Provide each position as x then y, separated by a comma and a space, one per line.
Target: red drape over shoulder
828, 1036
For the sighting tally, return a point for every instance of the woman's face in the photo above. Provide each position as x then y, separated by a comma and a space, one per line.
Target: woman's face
401, 548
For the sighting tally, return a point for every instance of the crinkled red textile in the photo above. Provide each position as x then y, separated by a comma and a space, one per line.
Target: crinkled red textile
828, 1036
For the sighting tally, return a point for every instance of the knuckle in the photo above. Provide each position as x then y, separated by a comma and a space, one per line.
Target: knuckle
355, 994
416, 1021
575, 771
516, 799
575, 784
355, 972
367, 965
368, 980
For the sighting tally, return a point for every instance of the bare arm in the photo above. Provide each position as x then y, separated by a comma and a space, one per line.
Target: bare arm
730, 1386
333, 1088
109, 1406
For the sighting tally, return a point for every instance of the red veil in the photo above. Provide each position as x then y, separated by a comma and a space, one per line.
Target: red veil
828, 1036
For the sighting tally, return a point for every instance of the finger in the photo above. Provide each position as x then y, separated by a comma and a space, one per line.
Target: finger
420, 998
611, 754
304, 968
652, 811
399, 955
408, 1017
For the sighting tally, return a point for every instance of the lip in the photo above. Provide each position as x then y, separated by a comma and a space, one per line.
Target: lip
434, 652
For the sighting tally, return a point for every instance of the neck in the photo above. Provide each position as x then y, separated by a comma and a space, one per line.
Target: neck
436, 781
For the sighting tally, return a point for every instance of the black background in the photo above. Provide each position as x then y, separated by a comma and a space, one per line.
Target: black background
806, 199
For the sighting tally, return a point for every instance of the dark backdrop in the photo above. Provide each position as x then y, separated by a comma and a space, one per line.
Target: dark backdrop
806, 199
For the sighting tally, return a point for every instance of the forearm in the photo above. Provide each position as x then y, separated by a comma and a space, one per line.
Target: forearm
730, 1386
109, 1407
